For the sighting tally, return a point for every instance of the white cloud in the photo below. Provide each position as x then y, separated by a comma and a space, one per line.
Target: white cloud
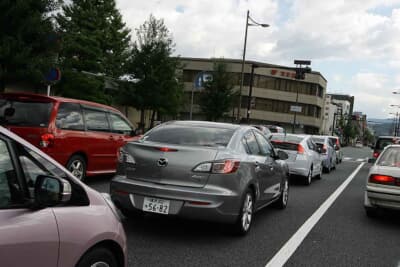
346, 31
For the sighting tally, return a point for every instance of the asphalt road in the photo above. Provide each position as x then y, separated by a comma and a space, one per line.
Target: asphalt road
344, 236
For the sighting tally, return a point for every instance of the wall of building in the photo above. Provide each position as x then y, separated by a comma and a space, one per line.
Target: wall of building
274, 91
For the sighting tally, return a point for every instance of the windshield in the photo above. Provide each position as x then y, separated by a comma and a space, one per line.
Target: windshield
18, 113
188, 135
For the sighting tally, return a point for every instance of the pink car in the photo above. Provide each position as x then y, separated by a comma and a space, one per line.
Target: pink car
48, 217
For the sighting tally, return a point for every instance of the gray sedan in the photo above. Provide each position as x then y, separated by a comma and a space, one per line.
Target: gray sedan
383, 182
202, 170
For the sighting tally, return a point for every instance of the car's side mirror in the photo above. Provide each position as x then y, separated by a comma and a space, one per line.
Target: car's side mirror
371, 160
282, 155
319, 149
51, 191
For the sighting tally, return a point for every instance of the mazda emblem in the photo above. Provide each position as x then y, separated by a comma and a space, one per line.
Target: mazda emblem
162, 162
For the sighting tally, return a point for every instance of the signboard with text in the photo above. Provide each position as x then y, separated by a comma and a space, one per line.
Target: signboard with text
295, 108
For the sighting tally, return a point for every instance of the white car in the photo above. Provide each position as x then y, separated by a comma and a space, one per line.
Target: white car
304, 158
359, 144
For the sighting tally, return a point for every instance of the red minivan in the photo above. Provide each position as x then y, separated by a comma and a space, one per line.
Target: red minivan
81, 135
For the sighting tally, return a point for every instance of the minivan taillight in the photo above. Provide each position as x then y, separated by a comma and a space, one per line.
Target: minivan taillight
46, 140
324, 149
383, 179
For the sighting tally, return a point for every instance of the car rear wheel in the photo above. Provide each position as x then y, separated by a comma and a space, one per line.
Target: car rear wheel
372, 212
132, 214
308, 178
282, 201
98, 257
243, 223
77, 166
319, 176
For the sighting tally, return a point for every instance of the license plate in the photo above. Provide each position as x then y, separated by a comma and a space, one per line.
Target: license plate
156, 205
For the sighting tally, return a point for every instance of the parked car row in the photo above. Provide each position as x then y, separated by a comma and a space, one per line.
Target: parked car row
309, 155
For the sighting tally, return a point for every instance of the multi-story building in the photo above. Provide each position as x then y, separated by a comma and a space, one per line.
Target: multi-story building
274, 97
337, 108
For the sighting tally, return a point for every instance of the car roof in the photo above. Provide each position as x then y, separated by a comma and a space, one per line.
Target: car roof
40, 97
208, 124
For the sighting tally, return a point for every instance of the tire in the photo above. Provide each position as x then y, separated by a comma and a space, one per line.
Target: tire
98, 257
308, 178
319, 176
372, 212
132, 214
245, 218
282, 201
77, 166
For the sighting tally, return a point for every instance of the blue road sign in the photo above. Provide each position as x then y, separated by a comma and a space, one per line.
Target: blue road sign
202, 77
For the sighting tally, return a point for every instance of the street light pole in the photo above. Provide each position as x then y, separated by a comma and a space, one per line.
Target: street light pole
250, 92
254, 23
242, 71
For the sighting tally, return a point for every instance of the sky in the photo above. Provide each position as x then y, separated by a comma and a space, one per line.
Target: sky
354, 44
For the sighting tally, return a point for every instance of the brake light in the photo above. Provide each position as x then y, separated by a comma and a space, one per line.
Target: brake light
376, 154
300, 149
166, 149
382, 179
46, 140
224, 166
324, 149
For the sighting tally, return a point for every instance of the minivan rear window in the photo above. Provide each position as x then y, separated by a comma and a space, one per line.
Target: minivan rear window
190, 135
20, 113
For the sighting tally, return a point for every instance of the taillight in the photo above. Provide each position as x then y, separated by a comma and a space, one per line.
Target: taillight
166, 149
383, 179
376, 154
324, 149
300, 149
224, 166
227, 166
46, 140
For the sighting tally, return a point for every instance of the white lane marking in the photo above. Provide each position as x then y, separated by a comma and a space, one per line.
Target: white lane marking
295, 241
347, 158
360, 160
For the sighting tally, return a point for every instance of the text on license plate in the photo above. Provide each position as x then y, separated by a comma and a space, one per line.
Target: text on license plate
156, 205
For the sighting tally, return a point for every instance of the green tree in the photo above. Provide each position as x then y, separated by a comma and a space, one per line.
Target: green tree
218, 94
28, 43
157, 85
95, 47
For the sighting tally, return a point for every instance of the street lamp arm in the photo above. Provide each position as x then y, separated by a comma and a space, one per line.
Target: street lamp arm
255, 23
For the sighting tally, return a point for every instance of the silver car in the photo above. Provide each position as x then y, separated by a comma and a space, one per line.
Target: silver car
383, 182
336, 145
202, 170
304, 159
328, 153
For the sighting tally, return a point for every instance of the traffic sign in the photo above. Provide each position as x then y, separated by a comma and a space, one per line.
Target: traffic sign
201, 78
295, 108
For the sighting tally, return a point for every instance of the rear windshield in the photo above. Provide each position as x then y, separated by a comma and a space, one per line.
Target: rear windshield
189, 135
318, 140
287, 142
391, 157
383, 142
21, 113
334, 140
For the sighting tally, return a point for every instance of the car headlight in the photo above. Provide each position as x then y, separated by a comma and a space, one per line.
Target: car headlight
111, 205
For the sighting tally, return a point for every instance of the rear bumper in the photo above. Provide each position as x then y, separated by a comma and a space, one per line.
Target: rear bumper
382, 197
210, 203
298, 167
